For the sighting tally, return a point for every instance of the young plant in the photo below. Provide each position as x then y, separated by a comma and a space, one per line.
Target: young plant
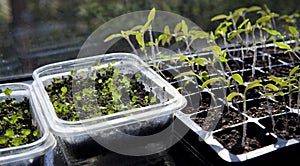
139, 33
267, 94
99, 91
236, 77
243, 95
16, 127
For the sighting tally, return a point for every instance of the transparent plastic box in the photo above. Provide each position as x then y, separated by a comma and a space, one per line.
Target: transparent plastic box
113, 126
34, 153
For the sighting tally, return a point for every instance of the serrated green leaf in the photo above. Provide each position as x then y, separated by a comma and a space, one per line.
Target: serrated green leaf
238, 78
219, 17
234, 94
113, 36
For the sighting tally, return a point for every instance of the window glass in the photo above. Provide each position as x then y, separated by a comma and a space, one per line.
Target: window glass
38, 32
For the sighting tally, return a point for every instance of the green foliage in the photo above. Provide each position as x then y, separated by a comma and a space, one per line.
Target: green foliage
7, 92
16, 122
105, 91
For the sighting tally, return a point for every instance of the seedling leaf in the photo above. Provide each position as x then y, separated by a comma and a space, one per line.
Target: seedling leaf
282, 45
273, 87
238, 78
234, 94
253, 9
219, 17
188, 73
140, 39
293, 30
64, 90
253, 85
184, 28
272, 32
216, 79
293, 70
7, 91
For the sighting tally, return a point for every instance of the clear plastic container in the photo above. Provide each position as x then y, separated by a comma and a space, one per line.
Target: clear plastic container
34, 153
113, 126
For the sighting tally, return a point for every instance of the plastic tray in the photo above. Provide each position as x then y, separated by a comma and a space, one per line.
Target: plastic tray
109, 127
33, 153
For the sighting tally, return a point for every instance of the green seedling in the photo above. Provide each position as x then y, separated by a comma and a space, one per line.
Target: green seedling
251, 85
16, 127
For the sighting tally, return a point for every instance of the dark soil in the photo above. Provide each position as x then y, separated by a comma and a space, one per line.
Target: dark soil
89, 97
258, 108
262, 61
251, 93
231, 138
247, 75
16, 115
198, 102
287, 125
286, 57
234, 65
286, 100
214, 119
278, 71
